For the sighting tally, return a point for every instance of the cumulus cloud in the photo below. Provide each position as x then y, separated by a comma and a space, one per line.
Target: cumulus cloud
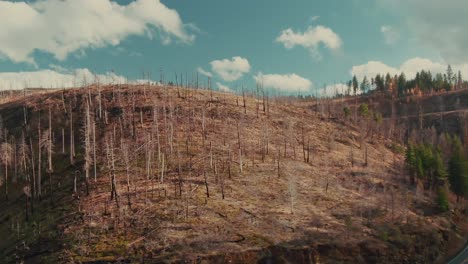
231, 70
390, 34
285, 83
223, 88
371, 69
311, 39
409, 67
58, 78
412, 66
436, 24
332, 90
61, 27
203, 72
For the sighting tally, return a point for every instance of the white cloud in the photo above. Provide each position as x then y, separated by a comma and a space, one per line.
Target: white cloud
205, 73
371, 69
311, 39
223, 88
390, 34
57, 68
314, 18
231, 70
61, 27
58, 79
409, 67
440, 25
412, 66
332, 90
285, 83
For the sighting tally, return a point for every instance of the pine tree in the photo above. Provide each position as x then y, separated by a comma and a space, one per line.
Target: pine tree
419, 167
458, 171
459, 80
388, 82
442, 199
411, 161
365, 85
355, 85
440, 173
449, 74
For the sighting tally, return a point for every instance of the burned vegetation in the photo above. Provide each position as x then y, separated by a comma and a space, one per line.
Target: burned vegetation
168, 174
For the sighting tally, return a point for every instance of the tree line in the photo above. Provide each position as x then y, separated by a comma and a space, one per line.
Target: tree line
399, 85
440, 167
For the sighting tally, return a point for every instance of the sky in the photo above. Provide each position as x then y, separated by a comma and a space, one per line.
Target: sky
294, 46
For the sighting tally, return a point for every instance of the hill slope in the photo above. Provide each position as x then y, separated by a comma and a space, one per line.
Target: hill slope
172, 174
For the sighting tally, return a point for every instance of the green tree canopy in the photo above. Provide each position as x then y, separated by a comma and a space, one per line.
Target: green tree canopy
458, 170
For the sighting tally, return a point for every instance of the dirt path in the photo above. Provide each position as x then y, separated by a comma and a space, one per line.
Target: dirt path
429, 114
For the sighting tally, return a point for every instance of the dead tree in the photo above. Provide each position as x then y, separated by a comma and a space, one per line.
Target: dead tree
239, 148
93, 124
6, 156
365, 155
303, 144
278, 167
39, 163
162, 168
111, 165
99, 100
50, 146
63, 141
33, 167
206, 184
87, 145
126, 159
156, 128
243, 100
203, 127
72, 138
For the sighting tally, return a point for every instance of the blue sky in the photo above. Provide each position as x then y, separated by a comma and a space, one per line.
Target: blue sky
322, 43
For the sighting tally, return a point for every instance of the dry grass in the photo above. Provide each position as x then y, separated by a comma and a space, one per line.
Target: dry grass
308, 201
325, 200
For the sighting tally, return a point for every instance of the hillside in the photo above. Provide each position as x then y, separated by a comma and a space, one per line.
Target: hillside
165, 174
442, 111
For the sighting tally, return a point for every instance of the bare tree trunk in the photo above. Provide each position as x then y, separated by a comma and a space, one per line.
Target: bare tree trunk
162, 169
94, 150
203, 127
63, 141
72, 139
156, 124
206, 185
100, 101
279, 155
179, 171
365, 155
87, 143
243, 99
211, 155
222, 182
33, 167
6, 181
114, 193
49, 146
303, 144
39, 178
240, 161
